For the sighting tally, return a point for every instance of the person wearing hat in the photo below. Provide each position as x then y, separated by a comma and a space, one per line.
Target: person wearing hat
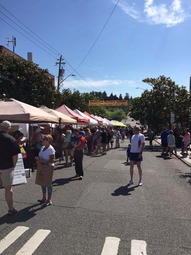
9, 150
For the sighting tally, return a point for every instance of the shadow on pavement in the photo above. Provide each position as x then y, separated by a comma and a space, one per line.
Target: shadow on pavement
152, 148
23, 215
124, 191
63, 181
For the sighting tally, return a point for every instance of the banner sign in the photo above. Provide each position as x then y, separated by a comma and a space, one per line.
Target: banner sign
108, 102
19, 172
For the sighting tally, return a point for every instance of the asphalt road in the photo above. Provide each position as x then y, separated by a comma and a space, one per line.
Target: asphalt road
99, 215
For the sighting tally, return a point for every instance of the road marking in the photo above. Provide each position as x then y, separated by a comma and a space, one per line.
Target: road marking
110, 246
12, 237
138, 247
33, 243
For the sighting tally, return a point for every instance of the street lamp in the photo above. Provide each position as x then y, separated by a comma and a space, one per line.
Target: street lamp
67, 77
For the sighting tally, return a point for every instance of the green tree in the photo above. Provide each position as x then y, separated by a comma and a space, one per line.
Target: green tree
25, 81
154, 107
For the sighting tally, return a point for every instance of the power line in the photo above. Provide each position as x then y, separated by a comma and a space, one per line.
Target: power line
80, 75
27, 37
44, 42
91, 48
48, 46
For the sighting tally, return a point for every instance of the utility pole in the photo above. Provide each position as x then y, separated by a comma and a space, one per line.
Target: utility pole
60, 62
13, 42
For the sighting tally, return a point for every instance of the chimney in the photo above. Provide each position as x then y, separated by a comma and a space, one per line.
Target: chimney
29, 56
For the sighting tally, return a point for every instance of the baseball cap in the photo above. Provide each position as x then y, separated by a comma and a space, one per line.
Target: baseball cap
5, 124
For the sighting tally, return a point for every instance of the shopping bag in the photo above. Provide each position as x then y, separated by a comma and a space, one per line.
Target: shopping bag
44, 174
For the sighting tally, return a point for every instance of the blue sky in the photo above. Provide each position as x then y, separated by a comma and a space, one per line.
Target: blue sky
109, 45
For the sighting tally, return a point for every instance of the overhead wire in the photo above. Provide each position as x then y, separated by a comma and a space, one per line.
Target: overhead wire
42, 41
28, 38
93, 45
49, 47
99, 35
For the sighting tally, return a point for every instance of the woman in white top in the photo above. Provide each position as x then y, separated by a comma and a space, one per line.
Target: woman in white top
47, 157
171, 143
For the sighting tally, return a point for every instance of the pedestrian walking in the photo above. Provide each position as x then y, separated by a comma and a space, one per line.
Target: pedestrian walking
128, 152
9, 150
104, 140
151, 137
164, 142
186, 141
137, 146
117, 138
171, 143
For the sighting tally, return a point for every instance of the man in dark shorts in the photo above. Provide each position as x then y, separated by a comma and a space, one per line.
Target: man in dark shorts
9, 150
137, 146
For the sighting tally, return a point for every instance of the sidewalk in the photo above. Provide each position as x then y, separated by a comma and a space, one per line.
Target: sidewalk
186, 158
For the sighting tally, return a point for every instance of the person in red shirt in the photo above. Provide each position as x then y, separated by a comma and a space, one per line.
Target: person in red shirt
79, 143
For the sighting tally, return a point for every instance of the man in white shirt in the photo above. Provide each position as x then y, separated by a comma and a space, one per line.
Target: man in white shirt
137, 146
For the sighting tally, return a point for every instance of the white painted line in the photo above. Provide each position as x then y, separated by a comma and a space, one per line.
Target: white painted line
33, 243
12, 237
138, 247
110, 246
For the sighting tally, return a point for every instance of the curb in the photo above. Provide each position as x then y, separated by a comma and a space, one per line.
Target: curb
182, 159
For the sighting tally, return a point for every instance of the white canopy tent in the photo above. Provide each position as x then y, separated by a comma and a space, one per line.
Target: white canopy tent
16, 111
91, 120
63, 118
105, 121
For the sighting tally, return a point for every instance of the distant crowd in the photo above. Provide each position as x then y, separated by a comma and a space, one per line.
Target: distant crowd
44, 147
172, 139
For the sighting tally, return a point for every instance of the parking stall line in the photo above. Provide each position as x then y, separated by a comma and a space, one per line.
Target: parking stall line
138, 247
12, 237
111, 246
33, 243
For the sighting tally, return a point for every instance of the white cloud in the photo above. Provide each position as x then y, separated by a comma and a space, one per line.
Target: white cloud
130, 10
98, 84
161, 14
153, 12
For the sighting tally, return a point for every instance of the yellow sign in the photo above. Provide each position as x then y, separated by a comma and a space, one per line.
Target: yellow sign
108, 103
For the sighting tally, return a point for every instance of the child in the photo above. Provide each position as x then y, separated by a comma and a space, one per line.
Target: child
128, 152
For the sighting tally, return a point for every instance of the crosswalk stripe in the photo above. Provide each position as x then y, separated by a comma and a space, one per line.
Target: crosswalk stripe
138, 247
33, 243
12, 237
110, 246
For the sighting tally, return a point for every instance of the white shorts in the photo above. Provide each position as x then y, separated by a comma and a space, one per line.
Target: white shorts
6, 177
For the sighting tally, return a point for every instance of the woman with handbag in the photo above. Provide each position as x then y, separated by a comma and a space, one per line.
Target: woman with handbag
45, 169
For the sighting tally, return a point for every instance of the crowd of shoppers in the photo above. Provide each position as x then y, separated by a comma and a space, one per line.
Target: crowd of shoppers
64, 143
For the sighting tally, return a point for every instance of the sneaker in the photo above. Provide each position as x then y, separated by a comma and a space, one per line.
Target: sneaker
130, 183
140, 183
80, 177
47, 203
